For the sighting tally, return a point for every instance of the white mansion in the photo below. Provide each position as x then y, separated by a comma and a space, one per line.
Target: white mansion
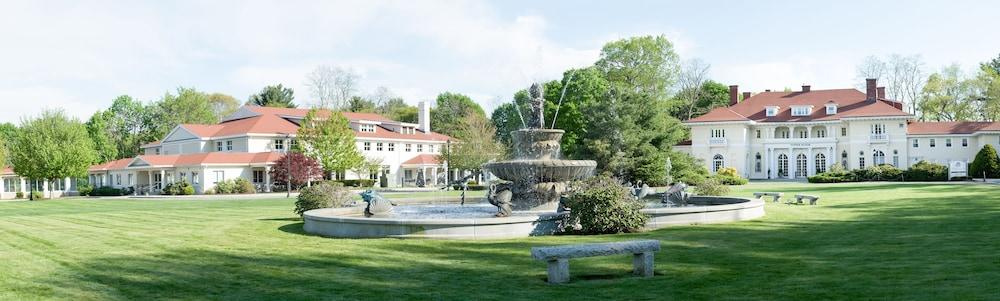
247, 143
772, 135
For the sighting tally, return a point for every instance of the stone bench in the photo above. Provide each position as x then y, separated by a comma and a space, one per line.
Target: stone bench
558, 256
812, 198
776, 195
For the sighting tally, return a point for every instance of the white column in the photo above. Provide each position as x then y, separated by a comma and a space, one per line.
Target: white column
267, 179
767, 156
434, 176
791, 163
163, 178
810, 163
24, 186
45, 188
149, 173
66, 184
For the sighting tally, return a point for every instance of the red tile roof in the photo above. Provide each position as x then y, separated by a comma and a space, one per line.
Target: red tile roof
850, 103
423, 159
113, 165
950, 127
154, 143
194, 159
7, 171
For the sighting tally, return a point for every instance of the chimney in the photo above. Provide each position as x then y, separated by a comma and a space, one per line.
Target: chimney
734, 92
767, 90
870, 90
746, 95
880, 92
424, 116
806, 88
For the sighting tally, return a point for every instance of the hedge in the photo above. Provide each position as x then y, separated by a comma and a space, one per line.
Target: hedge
922, 171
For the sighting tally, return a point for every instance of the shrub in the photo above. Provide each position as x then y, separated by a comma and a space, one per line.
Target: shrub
359, 183
84, 189
604, 205
731, 180
19, 195
832, 177
884, 172
108, 191
711, 187
986, 162
37, 195
179, 188
927, 171
243, 185
323, 195
837, 168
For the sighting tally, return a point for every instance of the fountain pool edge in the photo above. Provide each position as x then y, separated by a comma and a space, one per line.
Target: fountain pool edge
348, 223
740, 209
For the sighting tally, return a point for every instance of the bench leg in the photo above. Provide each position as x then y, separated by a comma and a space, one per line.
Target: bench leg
642, 264
812, 201
776, 199
559, 271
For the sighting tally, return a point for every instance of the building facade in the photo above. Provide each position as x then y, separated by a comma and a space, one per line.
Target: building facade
774, 135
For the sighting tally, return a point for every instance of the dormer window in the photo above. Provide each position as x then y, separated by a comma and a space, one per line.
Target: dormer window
367, 128
831, 108
771, 111
801, 110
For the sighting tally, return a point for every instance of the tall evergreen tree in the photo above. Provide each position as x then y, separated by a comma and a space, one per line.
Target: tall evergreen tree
274, 96
986, 163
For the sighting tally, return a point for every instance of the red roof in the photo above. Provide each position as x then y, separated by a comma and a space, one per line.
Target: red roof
193, 160
850, 103
154, 143
113, 165
423, 159
7, 171
950, 127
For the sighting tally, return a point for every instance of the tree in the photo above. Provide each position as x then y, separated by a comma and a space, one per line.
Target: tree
273, 96
332, 86
475, 145
946, 96
8, 135
447, 115
131, 123
368, 167
397, 109
329, 139
51, 147
223, 104
188, 106
646, 64
360, 104
986, 163
903, 77
97, 129
692, 77
991, 65
301, 167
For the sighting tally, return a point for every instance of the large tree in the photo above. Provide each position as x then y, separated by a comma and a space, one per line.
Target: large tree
991, 65
397, 109
646, 64
332, 87
447, 115
902, 76
475, 145
98, 128
302, 169
132, 123
947, 97
692, 77
223, 104
361, 105
986, 163
52, 146
188, 106
274, 96
328, 138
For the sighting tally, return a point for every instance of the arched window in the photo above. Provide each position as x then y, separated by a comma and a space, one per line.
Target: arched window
861, 160
756, 165
820, 163
878, 158
718, 162
801, 165
782, 165
843, 159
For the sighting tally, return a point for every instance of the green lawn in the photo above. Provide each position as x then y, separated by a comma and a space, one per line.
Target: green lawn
864, 241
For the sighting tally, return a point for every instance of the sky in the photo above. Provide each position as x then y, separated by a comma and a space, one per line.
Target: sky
80, 55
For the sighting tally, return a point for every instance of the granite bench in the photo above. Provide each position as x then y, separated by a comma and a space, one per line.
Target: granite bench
812, 198
775, 195
558, 256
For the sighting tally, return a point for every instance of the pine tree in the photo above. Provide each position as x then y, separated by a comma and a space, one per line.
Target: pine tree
986, 162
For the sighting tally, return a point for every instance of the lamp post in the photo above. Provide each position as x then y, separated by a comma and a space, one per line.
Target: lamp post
447, 164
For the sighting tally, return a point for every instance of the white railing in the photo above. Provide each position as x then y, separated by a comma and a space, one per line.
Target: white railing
717, 141
879, 138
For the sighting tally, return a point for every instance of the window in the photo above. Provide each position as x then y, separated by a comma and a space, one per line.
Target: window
843, 159
831, 109
183, 176
409, 147
367, 128
194, 177
758, 134
218, 146
947, 142
756, 165
279, 144
804, 134
420, 148
292, 143
229, 145
895, 158
861, 160
801, 165
220, 176
843, 132
820, 163
717, 163
932, 142
129, 180
782, 165
378, 146
368, 146
878, 158
878, 129
430, 148
821, 133
916, 143
392, 147
801, 110
718, 133
258, 176
965, 142
157, 150
118, 180
771, 111
900, 125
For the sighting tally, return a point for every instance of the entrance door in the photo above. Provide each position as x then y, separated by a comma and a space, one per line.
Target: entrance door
782, 165
801, 166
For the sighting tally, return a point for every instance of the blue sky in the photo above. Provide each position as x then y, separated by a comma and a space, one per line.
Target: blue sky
80, 55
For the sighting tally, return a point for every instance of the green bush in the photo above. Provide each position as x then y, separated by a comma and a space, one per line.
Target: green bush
359, 183
731, 180
108, 191
884, 172
179, 188
84, 189
986, 162
927, 171
832, 177
244, 186
37, 195
325, 194
711, 187
19, 195
604, 205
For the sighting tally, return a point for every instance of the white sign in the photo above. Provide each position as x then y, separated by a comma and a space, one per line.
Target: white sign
957, 169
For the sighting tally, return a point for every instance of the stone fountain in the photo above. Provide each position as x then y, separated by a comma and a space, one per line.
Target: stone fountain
538, 177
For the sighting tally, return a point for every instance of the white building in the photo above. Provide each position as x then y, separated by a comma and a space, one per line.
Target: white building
797, 134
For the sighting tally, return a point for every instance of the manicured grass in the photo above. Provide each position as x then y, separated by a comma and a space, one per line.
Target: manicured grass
864, 241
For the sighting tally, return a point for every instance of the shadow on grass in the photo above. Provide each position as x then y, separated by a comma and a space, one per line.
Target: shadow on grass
295, 228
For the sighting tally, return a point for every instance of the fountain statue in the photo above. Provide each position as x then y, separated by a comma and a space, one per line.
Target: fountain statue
500, 196
376, 203
538, 177
677, 195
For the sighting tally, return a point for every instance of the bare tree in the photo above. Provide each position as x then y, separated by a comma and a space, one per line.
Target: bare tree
381, 96
911, 81
870, 67
903, 77
692, 76
332, 86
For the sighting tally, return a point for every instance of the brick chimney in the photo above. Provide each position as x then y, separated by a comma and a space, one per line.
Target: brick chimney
880, 92
806, 88
767, 90
734, 94
871, 91
746, 95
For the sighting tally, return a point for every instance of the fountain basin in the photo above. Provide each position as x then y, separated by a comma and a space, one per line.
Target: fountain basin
542, 170
706, 210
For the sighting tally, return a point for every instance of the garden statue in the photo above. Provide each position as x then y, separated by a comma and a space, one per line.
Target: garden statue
463, 183
536, 120
640, 190
677, 194
376, 203
500, 196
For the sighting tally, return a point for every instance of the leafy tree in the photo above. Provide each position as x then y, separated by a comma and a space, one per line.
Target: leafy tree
8, 134
397, 109
301, 167
646, 64
475, 145
991, 65
188, 106
946, 96
329, 139
273, 96
97, 129
130, 123
987, 162
447, 116
52, 146
360, 104
223, 104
